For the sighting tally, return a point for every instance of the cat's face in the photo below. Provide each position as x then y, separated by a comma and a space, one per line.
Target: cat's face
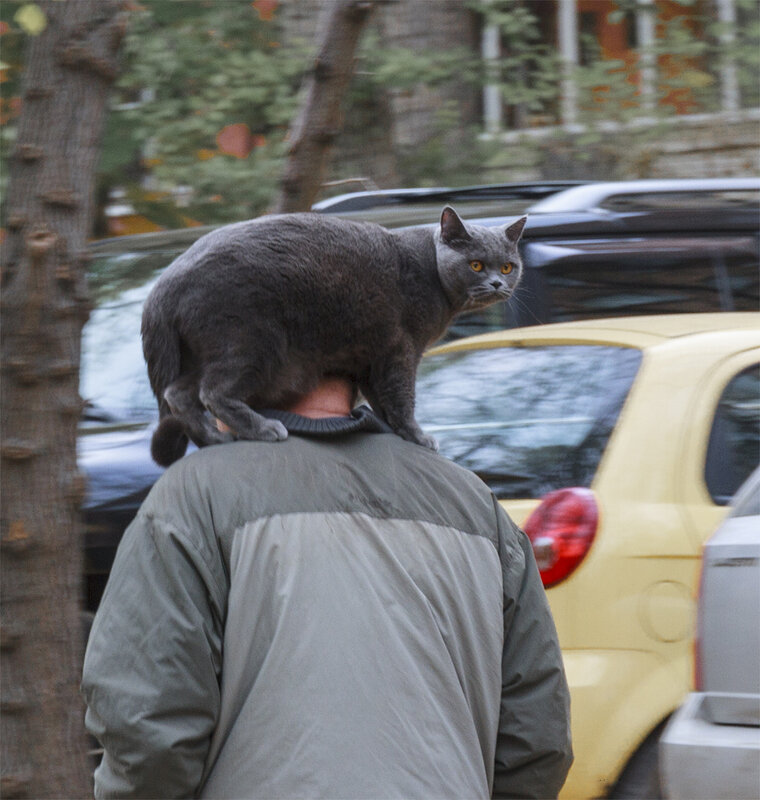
477, 266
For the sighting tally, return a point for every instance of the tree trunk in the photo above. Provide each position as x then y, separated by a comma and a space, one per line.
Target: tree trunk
69, 68
320, 120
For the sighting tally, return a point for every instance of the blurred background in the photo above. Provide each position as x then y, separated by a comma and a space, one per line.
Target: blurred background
446, 92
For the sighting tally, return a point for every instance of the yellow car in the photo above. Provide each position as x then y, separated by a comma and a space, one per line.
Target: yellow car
616, 445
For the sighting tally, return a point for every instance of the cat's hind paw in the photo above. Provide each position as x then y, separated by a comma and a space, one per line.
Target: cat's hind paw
272, 430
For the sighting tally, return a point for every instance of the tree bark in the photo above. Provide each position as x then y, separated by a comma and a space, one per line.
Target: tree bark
69, 68
320, 120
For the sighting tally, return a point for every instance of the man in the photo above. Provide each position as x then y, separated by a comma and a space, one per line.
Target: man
343, 614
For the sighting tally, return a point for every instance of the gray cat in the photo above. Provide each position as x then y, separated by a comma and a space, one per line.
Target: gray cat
256, 313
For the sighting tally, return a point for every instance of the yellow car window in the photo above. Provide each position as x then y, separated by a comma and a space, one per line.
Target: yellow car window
528, 420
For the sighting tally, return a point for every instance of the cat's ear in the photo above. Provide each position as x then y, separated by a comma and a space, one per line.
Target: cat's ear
452, 228
514, 231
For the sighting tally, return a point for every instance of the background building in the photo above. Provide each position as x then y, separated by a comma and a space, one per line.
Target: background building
564, 89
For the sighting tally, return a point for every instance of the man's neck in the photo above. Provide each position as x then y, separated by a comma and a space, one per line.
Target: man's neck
332, 398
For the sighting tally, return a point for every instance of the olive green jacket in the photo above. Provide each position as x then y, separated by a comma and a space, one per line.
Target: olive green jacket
342, 615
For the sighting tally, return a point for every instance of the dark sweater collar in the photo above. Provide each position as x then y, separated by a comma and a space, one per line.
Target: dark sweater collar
362, 418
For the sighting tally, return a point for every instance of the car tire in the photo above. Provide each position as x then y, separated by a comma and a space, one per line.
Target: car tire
640, 779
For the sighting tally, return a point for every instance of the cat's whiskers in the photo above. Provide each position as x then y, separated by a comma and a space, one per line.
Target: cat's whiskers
533, 317
479, 296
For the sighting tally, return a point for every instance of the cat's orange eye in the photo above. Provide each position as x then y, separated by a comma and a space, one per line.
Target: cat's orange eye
507, 268
477, 266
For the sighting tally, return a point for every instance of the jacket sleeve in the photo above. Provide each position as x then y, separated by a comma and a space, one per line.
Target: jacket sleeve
533, 749
151, 670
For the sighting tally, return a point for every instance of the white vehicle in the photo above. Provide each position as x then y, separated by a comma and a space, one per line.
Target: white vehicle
711, 746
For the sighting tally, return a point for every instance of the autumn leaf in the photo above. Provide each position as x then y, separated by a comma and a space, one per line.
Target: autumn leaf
697, 78
9, 109
31, 18
235, 140
265, 9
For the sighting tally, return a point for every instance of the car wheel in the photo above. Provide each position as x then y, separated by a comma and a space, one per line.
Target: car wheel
640, 779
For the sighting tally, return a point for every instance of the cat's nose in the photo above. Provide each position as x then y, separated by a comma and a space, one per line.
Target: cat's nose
496, 284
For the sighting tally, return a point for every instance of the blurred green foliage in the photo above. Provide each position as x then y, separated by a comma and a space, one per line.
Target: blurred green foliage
12, 41
191, 69
200, 115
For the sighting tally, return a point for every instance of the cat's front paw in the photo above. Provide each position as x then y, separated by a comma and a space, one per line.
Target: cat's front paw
428, 441
418, 437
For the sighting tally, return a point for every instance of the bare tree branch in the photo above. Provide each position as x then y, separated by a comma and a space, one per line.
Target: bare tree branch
320, 119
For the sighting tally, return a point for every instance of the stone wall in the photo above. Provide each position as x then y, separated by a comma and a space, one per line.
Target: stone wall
441, 27
729, 146
704, 146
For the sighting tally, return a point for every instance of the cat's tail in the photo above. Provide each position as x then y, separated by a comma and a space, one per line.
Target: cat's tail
169, 441
161, 348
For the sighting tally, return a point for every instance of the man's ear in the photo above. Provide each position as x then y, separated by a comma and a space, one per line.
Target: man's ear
514, 231
452, 228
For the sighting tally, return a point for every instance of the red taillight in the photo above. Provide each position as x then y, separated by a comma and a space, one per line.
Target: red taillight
561, 530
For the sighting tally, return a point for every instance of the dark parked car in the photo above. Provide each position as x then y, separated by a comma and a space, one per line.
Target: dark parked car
590, 250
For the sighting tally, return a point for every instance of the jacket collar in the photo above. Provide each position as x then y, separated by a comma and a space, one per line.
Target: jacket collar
362, 418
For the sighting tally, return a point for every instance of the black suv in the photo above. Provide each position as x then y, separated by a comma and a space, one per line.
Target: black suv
590, 250
603, 249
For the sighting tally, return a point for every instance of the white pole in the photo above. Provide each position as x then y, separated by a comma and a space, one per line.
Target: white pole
493, 107
567, 24
645, 31
729, 83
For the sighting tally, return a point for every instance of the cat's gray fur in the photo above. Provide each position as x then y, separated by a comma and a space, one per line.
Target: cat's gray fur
256, 313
